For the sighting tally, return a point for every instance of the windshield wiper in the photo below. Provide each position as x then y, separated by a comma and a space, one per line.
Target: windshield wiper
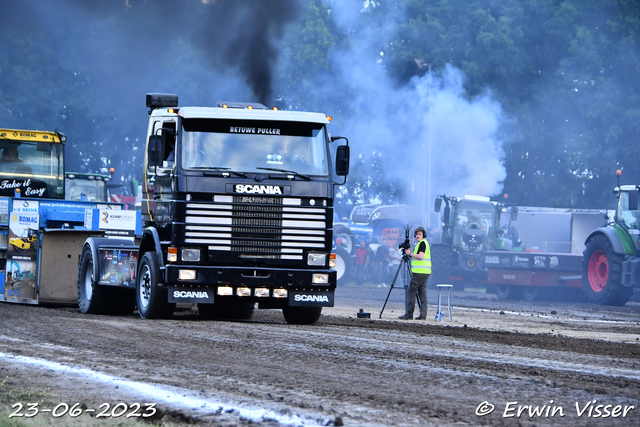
298, 174
220, 169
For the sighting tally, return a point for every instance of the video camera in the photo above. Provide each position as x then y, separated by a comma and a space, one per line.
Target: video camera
407, 241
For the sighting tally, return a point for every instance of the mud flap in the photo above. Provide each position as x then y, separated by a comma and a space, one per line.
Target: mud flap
311, 299
190, 295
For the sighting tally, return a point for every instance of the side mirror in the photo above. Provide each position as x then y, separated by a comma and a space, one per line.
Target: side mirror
155, 150
633, 200
342, 160
134, 187
438, 204
514, 213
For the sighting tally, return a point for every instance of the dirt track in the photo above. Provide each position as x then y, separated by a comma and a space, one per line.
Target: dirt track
343, 370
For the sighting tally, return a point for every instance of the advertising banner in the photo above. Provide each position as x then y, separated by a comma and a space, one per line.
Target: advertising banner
22, 256
112, 222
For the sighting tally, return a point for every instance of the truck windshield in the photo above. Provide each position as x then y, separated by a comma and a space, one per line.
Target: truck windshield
95, 191
35, 168
476, 217
245, 146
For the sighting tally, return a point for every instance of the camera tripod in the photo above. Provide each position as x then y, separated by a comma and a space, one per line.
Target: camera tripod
405, 269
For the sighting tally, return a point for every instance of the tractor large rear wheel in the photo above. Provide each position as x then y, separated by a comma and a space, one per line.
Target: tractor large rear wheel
440, 265
344, 266
344, 238
602, 273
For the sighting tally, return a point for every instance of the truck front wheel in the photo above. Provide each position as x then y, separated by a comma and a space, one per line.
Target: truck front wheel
152, 300
301, 315
602, 273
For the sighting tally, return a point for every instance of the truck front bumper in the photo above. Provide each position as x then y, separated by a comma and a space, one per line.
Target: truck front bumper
262, 285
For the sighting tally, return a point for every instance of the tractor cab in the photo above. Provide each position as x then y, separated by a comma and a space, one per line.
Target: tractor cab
627, 216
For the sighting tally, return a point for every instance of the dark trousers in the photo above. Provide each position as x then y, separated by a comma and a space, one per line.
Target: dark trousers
418, 286
360, 274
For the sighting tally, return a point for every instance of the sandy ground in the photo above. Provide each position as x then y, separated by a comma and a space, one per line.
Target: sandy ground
495, 363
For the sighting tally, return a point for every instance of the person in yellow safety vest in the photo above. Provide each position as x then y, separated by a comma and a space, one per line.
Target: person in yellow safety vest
420, 271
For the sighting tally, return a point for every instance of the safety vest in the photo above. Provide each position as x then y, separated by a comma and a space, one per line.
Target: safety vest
422, 266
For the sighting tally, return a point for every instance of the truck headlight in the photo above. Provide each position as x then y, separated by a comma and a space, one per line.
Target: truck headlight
191, 255
243, 292
225, 290
316, 259
261, 292
320, 279
186, 275
279, 293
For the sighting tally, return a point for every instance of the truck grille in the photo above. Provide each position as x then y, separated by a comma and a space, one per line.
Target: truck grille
258, 227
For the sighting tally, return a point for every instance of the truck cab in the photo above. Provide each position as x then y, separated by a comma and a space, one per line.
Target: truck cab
32, 164
91, 187
237, 209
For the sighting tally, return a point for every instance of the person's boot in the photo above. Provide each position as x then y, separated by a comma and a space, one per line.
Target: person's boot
406, 316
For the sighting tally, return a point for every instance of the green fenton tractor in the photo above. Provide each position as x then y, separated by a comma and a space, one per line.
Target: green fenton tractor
611, 261
470, 226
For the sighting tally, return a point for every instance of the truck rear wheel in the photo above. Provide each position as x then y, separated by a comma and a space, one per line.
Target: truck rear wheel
301, 315
344, 266
151, 299
92, 298
507, 292
602, 273
531, 293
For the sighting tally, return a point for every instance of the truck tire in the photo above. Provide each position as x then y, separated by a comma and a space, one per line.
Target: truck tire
531, 293
440, 265
301, 315
151, 299
92, 298
501, 291
507, 292
602, 273
344, 266
348, 241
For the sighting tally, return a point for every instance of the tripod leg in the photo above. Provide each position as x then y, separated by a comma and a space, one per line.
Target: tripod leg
407, 286
391, 288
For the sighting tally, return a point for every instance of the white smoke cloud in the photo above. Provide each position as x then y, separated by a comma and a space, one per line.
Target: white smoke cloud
400, 125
